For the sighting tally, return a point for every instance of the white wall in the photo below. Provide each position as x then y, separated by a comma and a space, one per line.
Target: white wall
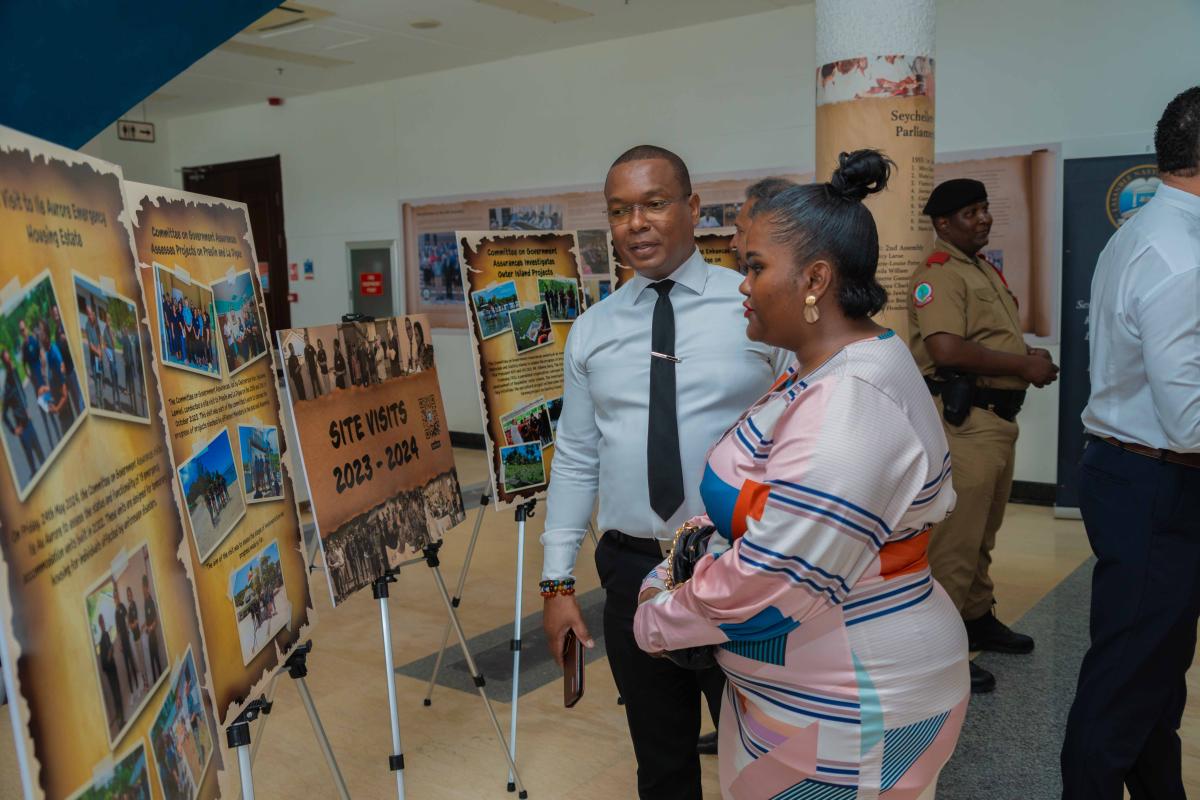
145, 162
728, 96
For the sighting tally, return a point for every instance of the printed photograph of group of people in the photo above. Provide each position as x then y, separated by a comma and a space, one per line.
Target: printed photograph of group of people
594, 250
260, 600
112, 352
181, 737
187, 323
43, 404
528, 431
127, 780
718, 216
440, 282
376, 541
239, 317
319, 360
498, 310
127, 640
261, 472
543, 217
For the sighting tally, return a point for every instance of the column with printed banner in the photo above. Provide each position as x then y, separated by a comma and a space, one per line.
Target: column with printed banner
211, 348
373, 444
103, 655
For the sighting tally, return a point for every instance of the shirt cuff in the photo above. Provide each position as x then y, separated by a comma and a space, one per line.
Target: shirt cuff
559, 551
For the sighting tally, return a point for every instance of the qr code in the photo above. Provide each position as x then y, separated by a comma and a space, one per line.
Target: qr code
429, 415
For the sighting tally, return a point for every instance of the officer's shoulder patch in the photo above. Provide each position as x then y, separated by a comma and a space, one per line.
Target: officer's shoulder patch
937, 257
922, 294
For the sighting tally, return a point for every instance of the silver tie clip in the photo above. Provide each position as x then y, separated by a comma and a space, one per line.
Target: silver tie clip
666, 357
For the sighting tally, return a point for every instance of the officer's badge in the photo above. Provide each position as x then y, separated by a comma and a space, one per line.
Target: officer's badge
922, 294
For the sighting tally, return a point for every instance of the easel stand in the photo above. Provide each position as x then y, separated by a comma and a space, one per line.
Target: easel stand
458, 592
237, 736
379, 589
523, 512
238, 732
434, 564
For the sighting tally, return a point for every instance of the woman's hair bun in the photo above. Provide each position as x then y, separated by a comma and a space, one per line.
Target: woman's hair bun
859, 174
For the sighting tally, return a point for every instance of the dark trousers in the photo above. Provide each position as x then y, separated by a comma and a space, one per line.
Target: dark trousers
662, 701
1143, 522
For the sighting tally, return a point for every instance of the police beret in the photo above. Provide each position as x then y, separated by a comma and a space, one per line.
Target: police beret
950, 196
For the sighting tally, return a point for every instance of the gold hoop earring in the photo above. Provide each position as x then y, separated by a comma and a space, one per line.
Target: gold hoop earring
811, 312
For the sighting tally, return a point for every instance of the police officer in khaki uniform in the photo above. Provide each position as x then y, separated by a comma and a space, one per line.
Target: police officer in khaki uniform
965, 334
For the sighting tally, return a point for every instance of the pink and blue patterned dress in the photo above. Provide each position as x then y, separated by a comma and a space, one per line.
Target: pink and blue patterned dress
847, 662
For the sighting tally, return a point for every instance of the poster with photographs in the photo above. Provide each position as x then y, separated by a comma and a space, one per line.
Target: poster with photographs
95, 603
217, 379
518, 346
428, 226
373, 444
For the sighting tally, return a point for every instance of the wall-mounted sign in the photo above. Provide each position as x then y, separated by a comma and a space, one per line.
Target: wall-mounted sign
134, 131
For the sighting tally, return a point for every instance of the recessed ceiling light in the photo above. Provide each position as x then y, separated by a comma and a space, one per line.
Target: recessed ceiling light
426, 24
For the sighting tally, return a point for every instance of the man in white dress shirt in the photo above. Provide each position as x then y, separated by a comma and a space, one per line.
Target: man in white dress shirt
652, 377
1140, 486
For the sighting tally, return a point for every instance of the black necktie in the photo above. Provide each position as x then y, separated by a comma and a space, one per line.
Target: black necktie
662, 443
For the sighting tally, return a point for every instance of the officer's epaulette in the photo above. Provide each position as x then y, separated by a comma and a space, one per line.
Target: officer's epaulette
937, 257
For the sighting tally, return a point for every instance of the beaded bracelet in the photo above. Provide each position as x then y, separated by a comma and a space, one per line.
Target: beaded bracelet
551, 588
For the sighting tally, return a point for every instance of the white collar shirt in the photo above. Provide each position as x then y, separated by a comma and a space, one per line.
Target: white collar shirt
600, 443
1144, 337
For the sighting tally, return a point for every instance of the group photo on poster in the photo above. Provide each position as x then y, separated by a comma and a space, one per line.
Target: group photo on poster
240, 321
373, 444
260, 599
122, 613
525, 293
42, 402
187, 323
209, 485
182, 735
110, 338
262, 469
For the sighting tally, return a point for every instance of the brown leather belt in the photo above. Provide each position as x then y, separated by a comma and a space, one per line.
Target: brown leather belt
1183, 459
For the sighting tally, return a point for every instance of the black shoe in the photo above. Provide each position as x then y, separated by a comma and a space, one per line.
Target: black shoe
706, 745
982, 681
989, 633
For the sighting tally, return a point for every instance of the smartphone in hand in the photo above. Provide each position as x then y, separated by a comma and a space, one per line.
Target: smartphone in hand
572, 669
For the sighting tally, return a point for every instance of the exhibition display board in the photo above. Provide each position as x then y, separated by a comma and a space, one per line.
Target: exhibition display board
373, 442
523, 296
220, 397
716, 245
102, 649
432, 284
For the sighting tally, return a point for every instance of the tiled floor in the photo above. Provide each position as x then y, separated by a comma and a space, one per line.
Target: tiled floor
582, 753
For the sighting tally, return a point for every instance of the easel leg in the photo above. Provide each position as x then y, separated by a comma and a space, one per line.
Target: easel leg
297, 668
396, 760
454, 601
523, 512
237, 736
431, 558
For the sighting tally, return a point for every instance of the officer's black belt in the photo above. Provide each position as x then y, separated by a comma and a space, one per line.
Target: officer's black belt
1004, 403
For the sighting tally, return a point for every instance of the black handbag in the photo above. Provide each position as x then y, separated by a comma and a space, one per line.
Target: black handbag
690, 544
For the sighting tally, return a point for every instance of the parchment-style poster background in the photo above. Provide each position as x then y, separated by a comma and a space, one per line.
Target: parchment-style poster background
102, 507
715, 245
518, 289
884, 102
374, 444
1021, 198
209, 240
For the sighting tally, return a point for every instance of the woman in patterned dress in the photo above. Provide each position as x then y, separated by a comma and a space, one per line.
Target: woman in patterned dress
847, 662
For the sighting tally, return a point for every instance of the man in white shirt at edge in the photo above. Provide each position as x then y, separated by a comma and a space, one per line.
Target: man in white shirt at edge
673, 338
1140, 486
